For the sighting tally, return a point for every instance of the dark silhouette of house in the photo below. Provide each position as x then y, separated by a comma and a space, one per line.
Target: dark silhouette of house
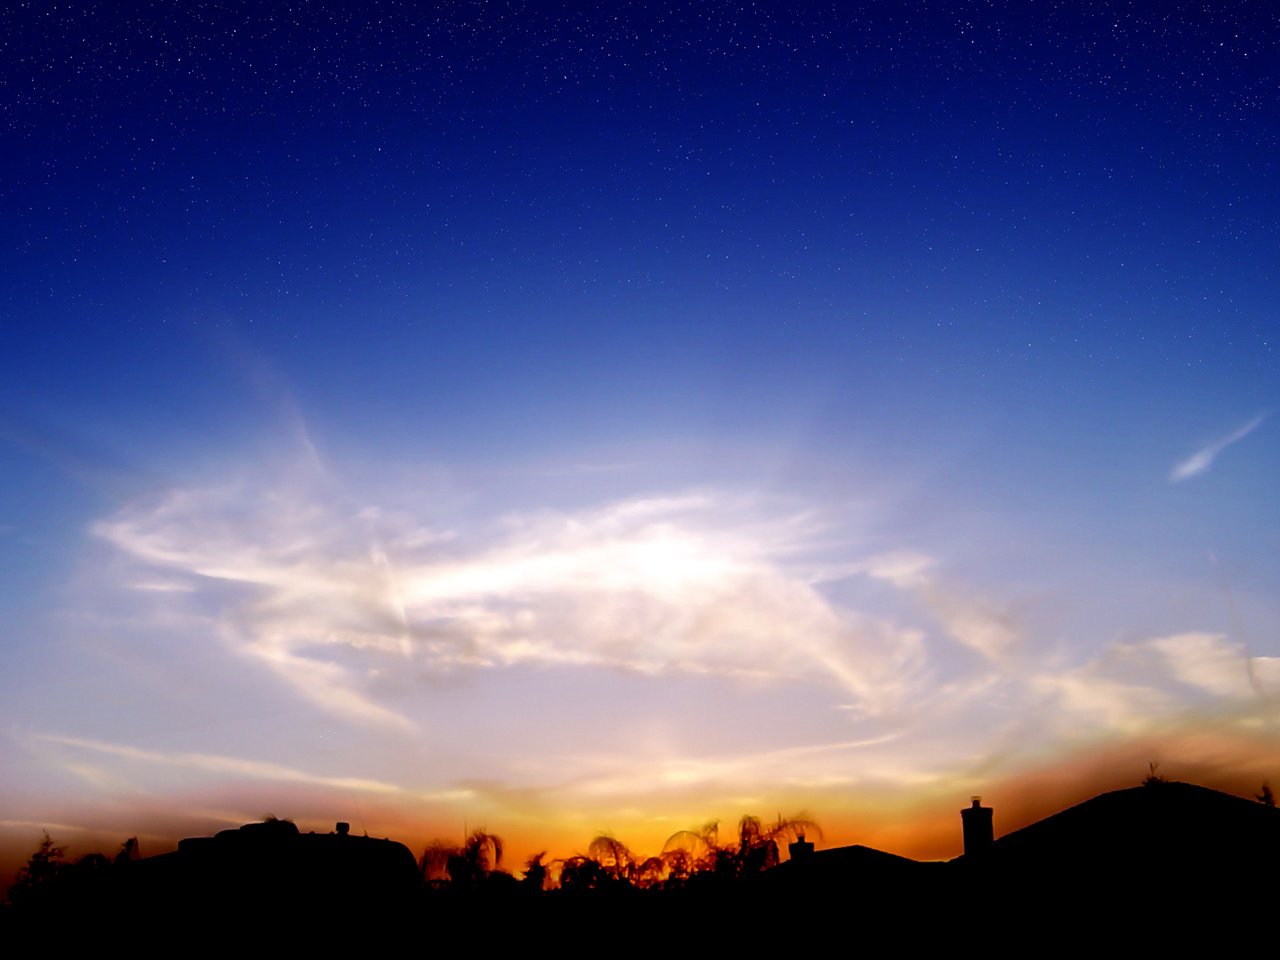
272, 866
1150, 848
1159, 830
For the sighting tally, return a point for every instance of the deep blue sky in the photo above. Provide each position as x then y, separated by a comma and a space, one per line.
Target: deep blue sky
966, 280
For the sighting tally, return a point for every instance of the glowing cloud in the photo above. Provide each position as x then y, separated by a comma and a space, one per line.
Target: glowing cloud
882, 672
331, 596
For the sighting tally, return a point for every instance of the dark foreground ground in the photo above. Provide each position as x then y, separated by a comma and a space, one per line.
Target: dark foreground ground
1164, 868
1146, 912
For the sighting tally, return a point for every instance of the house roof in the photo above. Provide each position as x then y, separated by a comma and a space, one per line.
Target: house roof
1163, 822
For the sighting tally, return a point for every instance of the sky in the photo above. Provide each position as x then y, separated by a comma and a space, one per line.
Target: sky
568, 419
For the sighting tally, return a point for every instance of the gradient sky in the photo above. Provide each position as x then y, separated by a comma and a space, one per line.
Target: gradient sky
570, 419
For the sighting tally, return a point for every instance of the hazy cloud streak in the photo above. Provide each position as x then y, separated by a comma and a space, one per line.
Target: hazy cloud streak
1200, 461
212, 763
973, 620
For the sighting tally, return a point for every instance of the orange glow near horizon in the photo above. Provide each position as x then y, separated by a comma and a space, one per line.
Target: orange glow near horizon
922, 824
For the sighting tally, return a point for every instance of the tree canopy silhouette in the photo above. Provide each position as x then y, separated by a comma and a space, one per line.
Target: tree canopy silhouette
40, 877
479, 855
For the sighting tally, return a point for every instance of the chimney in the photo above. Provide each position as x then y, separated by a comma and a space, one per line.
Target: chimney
800, 849
978, 833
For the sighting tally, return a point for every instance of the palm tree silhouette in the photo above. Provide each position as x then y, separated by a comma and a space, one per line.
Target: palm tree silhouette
434, 862
579, 874
694, 851
466, 865
756, 850
535, 872
614, 857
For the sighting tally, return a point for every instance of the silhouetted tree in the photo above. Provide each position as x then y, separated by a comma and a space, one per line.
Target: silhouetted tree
434, 862
40, 877
758, 842
465, 866
579, 874
1153, 779
679, 865
694, 850
652, 873
128, 851
613, 856
480, 855
1266, 797
535, 873
757, 848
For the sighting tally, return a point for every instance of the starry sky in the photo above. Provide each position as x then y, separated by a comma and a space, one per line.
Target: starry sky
570, 418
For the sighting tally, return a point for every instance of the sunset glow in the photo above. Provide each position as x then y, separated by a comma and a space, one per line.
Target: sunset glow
572, 423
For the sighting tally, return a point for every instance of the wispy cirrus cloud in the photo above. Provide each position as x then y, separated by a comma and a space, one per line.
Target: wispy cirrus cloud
368, 614
332, 595
215, 764
976, 621
1200, 461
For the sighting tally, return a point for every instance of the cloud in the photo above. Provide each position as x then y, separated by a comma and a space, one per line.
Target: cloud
903, 569
336, 597
742, 770
1200, 461
1087, 701
1136, 686
978, 622
390, 617
215, 764
26, 825
1211, 664
973, 620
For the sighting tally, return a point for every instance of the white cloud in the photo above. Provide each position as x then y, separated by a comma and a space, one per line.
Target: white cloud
1200, 461
1137, 685
1087, 702
903, 569
1210, 663
365, 611
329, 594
